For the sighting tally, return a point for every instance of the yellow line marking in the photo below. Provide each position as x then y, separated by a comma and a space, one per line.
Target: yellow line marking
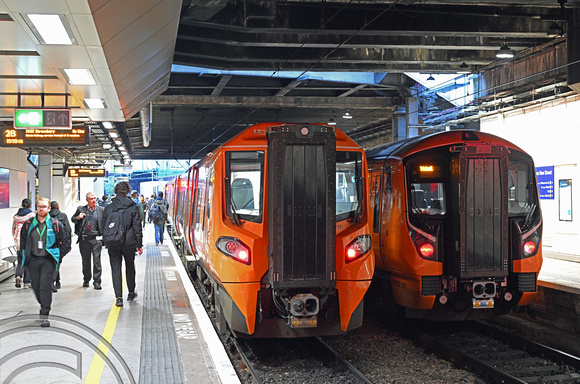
97, 365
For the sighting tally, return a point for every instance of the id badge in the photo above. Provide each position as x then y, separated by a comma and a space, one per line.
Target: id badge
40, 244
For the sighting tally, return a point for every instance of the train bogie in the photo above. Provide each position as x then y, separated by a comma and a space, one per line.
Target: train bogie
457, 226
279, 226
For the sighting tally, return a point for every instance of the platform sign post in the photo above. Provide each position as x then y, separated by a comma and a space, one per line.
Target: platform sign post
42, 118
545, 177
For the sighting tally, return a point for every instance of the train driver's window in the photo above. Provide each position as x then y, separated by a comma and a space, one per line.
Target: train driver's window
520, 196
428, 198
245, 178
348, 184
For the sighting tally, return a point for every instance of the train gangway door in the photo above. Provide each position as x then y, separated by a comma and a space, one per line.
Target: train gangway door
302, 206
484, 216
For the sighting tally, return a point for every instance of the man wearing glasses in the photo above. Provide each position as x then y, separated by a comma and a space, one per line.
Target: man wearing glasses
41, 239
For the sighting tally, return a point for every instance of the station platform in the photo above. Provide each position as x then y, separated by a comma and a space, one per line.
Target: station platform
164, 336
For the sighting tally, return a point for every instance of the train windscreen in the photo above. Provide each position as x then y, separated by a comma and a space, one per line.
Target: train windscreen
522, 197
348, 184
245, 175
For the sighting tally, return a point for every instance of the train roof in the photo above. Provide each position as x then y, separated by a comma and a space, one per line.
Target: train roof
407, 146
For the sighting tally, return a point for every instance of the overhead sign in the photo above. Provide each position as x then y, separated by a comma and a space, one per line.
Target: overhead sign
122, 168
42, 118
86, 172
545, 177
77, 137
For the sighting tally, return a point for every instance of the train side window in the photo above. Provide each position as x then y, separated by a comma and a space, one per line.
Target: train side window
520, 188
387, 172
349, 184
244, 185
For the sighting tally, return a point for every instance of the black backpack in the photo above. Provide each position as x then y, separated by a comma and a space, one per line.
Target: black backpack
114, 228
155, 212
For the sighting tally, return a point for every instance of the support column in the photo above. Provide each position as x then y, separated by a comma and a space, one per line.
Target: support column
58, 183
399, 128
45, 176
573, 37
412, 105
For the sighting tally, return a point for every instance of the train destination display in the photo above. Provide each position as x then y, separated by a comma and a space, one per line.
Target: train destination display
33, 137
86, 172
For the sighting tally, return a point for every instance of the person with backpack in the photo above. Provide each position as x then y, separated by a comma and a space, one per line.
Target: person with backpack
41, 240
55, 213
23, 214
158, 213
123, 235
88, 221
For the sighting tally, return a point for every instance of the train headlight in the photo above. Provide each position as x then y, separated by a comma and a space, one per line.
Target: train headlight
357, 248
529, 248
234, 248
426, 246
427, 250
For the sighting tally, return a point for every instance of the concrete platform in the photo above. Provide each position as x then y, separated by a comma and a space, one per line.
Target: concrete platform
164, 336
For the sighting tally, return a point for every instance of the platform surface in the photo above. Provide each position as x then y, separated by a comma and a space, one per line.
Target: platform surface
164, 336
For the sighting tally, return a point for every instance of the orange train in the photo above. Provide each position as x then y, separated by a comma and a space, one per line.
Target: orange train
275, 223
457, 225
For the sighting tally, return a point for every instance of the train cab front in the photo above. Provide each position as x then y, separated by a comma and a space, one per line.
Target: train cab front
475, 224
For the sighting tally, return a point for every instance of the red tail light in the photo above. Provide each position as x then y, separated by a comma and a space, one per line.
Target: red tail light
426, 250
234, 248
357, 248
529, 247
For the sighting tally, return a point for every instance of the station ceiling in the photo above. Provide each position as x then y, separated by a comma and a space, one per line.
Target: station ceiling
237, 63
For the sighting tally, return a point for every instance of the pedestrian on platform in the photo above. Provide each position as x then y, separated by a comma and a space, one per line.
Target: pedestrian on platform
106, 201
159, 215
23, 214
150, 204
123, 236
88, 221
143, 209
41, 241
55, 213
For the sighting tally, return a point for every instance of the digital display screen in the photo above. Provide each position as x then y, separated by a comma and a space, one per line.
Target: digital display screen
86, 172
425, 170
33, 137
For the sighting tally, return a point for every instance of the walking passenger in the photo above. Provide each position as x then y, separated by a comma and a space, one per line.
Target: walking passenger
23, 214
88, 221
123, 236
41, 241
55, 213
159, 216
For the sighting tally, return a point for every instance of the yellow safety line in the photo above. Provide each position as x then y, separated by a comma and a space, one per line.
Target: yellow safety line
97, 365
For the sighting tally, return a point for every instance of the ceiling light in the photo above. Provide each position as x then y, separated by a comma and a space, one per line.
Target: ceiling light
113, 134
50, 29
555, 30
79, 76
463, 68
122, 148
430, 78
95, 103
331, 121
347, 115
118, 142
107, 125
504, 52
107, 146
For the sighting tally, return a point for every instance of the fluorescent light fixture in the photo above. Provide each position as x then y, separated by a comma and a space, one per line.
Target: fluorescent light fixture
504, 52
118, 142
79, 76
107, 125
113, 134
122, 148
107, 146
51, 29
95, 103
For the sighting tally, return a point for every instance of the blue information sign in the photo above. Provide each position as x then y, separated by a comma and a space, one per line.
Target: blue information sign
545, 176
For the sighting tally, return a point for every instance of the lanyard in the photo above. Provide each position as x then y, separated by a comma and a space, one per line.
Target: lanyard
41, 233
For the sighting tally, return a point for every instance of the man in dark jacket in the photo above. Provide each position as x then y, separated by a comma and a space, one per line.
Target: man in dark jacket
133, 241
55, 213
41, 239
88, 220
162, 205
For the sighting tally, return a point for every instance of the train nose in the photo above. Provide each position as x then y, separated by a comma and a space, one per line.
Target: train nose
304, 305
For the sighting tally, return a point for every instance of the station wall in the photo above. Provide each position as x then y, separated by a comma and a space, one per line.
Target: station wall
550, 133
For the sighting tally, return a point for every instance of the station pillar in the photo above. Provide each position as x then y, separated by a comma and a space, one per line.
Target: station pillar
45, 179
412, 115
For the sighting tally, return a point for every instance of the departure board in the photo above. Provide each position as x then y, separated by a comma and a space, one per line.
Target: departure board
33, 137
86, 172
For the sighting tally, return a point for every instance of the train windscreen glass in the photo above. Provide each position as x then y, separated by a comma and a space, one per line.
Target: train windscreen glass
426, 188
348, 184
521, 194
245, 177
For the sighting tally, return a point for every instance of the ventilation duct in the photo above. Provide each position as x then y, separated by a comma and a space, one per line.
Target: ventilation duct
145, 116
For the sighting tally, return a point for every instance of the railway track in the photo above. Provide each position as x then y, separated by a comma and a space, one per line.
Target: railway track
502, 357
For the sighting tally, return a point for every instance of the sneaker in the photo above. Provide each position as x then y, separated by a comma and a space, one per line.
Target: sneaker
53, 287
119, 302
157, 244
86, 285
57, 285
17, 285
98, 286
44, 323
27, 285
131, 296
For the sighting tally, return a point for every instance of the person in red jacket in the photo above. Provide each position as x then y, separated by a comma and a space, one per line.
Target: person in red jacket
23, 214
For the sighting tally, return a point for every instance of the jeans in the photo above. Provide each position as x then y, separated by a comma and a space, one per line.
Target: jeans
159, 229
20, 271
